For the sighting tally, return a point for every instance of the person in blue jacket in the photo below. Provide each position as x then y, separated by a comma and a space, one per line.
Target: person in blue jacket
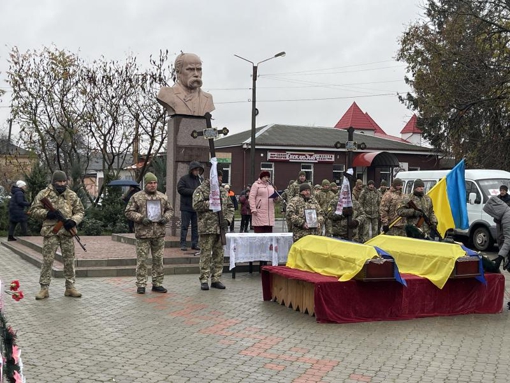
17, 205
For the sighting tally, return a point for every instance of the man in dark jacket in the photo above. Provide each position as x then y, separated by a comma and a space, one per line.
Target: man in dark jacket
185, 187
17, 206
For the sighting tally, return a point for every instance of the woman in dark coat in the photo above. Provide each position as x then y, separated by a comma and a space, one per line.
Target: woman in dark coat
500, 211
17, 206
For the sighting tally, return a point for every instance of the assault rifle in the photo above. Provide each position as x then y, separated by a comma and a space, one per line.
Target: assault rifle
61, 220
426, 219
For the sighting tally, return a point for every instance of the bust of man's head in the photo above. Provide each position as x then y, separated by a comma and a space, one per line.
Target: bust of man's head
188, 67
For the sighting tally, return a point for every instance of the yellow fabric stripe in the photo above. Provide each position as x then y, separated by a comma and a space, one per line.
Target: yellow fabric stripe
442, 207
328, 256
428, 259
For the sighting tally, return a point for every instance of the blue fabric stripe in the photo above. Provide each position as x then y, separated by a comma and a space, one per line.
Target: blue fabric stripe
472, 253
456, 191
396, 272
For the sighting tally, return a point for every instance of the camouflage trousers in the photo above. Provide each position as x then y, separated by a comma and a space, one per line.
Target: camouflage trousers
397, 231
211, 257
289, 225
50, 246
371, 226
156, 247
298, 233
329, 228
362, 232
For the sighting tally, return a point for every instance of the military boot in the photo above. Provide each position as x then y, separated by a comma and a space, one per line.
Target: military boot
72, 292
43, 293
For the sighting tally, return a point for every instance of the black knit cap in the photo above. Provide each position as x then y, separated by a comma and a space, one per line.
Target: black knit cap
304, 186
397, 182
58, 175
418, 184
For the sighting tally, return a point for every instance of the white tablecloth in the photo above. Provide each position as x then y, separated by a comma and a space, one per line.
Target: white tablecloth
250, 247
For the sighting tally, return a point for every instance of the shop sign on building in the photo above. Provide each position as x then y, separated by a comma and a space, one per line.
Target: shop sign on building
300, 157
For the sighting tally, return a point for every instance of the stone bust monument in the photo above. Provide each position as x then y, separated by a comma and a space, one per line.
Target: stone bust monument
186, 97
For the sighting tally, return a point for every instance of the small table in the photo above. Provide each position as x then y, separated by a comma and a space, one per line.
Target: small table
250, 247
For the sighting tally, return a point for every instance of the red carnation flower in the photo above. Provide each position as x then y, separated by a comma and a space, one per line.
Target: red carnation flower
14, 285
18, 295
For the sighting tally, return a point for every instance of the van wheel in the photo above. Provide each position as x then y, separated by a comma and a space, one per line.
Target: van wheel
482, 239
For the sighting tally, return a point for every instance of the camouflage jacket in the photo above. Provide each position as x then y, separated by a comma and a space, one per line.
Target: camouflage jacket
136, 211
208, 221
388, 208
370, 201
356, 193
424, 203
68, 203
323, 198
293, 189
296, 214
339, 221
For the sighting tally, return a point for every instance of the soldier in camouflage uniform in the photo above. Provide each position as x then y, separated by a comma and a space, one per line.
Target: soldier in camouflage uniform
68, 203
383, 187
388, 210
370, 199
323, 195
296, 213
149, 232
294, 187
212, 254
423, 202
285, 201
357, 189
339, 221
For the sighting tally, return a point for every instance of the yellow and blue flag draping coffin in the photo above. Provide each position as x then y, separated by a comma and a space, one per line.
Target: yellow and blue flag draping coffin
328, 256
449, 200
428, 259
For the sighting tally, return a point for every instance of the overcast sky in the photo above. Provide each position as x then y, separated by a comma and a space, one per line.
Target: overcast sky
337, 51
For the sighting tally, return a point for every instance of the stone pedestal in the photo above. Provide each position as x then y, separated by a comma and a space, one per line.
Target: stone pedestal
181, 150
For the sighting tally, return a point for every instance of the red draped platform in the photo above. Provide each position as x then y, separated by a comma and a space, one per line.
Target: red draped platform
357, 301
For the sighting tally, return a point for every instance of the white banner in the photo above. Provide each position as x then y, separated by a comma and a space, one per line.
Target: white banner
214, 195
344, 197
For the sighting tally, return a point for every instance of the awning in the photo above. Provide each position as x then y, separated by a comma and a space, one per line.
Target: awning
378, 159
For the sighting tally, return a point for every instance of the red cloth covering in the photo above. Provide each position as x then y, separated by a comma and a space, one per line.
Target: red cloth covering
356, 301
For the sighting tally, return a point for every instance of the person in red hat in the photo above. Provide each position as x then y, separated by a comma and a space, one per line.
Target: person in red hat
261, 206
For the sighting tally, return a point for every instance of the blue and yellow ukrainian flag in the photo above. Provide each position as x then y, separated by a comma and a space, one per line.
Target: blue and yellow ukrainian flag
449, 199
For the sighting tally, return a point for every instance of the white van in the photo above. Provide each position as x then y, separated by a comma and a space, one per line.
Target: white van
480, 185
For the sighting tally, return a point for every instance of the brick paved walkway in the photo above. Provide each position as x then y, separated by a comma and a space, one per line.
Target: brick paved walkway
189, 335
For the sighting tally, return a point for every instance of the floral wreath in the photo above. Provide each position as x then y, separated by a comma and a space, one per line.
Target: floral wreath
9, 350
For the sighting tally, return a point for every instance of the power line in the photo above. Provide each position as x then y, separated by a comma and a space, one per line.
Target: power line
318, 74
338, 67
299, 87
311, 99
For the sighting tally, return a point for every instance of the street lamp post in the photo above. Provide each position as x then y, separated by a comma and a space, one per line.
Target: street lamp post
254, 110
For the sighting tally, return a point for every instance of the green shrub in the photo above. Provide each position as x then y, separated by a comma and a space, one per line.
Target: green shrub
4, 215
91, 226
120, 227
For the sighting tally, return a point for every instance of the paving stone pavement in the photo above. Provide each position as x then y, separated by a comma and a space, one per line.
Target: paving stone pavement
188, 335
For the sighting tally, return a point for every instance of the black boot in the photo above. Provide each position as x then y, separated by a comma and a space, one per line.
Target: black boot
498, 260
11, 238
506, 263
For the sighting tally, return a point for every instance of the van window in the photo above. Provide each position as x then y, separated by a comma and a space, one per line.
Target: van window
409, 187
471, 188
490, 187
428, 185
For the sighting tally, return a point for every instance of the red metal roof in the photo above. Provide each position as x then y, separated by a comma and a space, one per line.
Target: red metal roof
356, 118
375, 159
411, 126
377, 128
